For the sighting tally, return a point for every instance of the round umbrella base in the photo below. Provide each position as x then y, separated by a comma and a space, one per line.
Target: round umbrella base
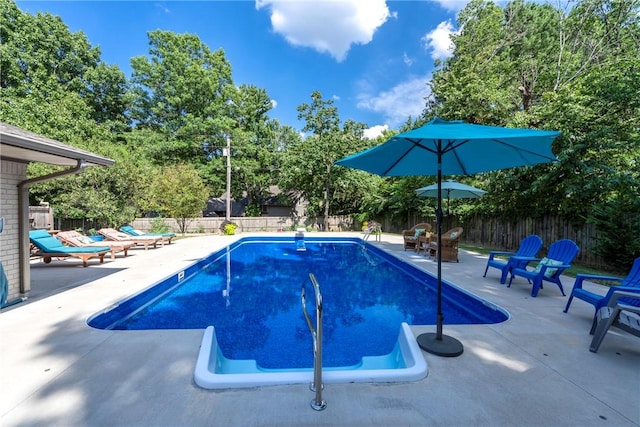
446, 347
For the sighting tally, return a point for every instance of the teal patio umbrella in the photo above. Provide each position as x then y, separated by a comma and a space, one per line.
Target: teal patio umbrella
452, 148
451, 189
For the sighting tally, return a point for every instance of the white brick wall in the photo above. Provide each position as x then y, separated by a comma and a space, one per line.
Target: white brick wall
11, 173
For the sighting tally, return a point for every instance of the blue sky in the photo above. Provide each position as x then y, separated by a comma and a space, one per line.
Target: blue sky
372, 57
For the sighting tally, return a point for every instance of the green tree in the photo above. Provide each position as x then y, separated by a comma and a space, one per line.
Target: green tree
185, 100
254, 146
107, 94
110, 196
52, 82
177, 192
530, 65
185, 91
39, 49
309, 163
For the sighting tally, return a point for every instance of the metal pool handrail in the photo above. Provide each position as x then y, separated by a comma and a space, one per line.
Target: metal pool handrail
318, 404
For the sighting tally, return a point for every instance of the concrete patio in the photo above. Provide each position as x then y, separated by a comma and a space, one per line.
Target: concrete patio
535, 369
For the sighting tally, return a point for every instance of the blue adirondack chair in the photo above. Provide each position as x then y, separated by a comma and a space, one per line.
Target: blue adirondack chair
560, 256
631, 283
529, 247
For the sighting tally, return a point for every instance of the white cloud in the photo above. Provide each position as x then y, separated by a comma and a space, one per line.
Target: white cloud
274, 103
326, 26
162, 8
452, 5
375, 131
397, 104
407, 60
438, 41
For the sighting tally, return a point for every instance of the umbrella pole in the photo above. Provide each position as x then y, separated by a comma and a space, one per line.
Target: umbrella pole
448, 210
439, 344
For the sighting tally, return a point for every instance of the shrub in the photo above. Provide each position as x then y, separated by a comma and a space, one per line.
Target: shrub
618, 225
230, 228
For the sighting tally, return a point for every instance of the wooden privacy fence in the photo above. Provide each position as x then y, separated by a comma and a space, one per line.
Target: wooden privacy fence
248, 224
214, 224
495, 233
490, 233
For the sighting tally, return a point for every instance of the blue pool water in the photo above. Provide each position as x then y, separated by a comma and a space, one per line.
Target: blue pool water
250, 292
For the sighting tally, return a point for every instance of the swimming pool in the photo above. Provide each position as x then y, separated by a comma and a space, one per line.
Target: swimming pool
250, 292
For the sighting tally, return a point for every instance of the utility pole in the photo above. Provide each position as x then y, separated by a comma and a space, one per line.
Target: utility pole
228, 154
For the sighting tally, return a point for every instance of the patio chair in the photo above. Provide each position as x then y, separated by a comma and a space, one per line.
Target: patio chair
137, 233
74, 238
560, 256
48, 247
623, 315
529, 247
631, 283
449, 244
119, 236
412, 235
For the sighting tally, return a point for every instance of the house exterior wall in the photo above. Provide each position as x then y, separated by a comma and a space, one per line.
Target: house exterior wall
11, 173
284, 211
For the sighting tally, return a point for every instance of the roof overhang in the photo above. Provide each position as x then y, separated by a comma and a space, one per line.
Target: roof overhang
23, 146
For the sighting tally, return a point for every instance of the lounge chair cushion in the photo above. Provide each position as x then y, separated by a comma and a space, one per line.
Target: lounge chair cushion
85, 239
53, 245
417, 232
135, 232
48, 243
549, 271
37, 234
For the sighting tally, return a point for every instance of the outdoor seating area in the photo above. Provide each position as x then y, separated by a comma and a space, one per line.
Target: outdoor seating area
412, 235
53, 244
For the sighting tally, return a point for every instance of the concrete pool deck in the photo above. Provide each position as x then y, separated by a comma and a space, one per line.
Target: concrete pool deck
533, 370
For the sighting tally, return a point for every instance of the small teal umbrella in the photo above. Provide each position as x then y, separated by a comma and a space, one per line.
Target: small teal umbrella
452, 148
453, 190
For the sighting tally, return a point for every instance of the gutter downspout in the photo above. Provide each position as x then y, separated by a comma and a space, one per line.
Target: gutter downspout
23, 218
